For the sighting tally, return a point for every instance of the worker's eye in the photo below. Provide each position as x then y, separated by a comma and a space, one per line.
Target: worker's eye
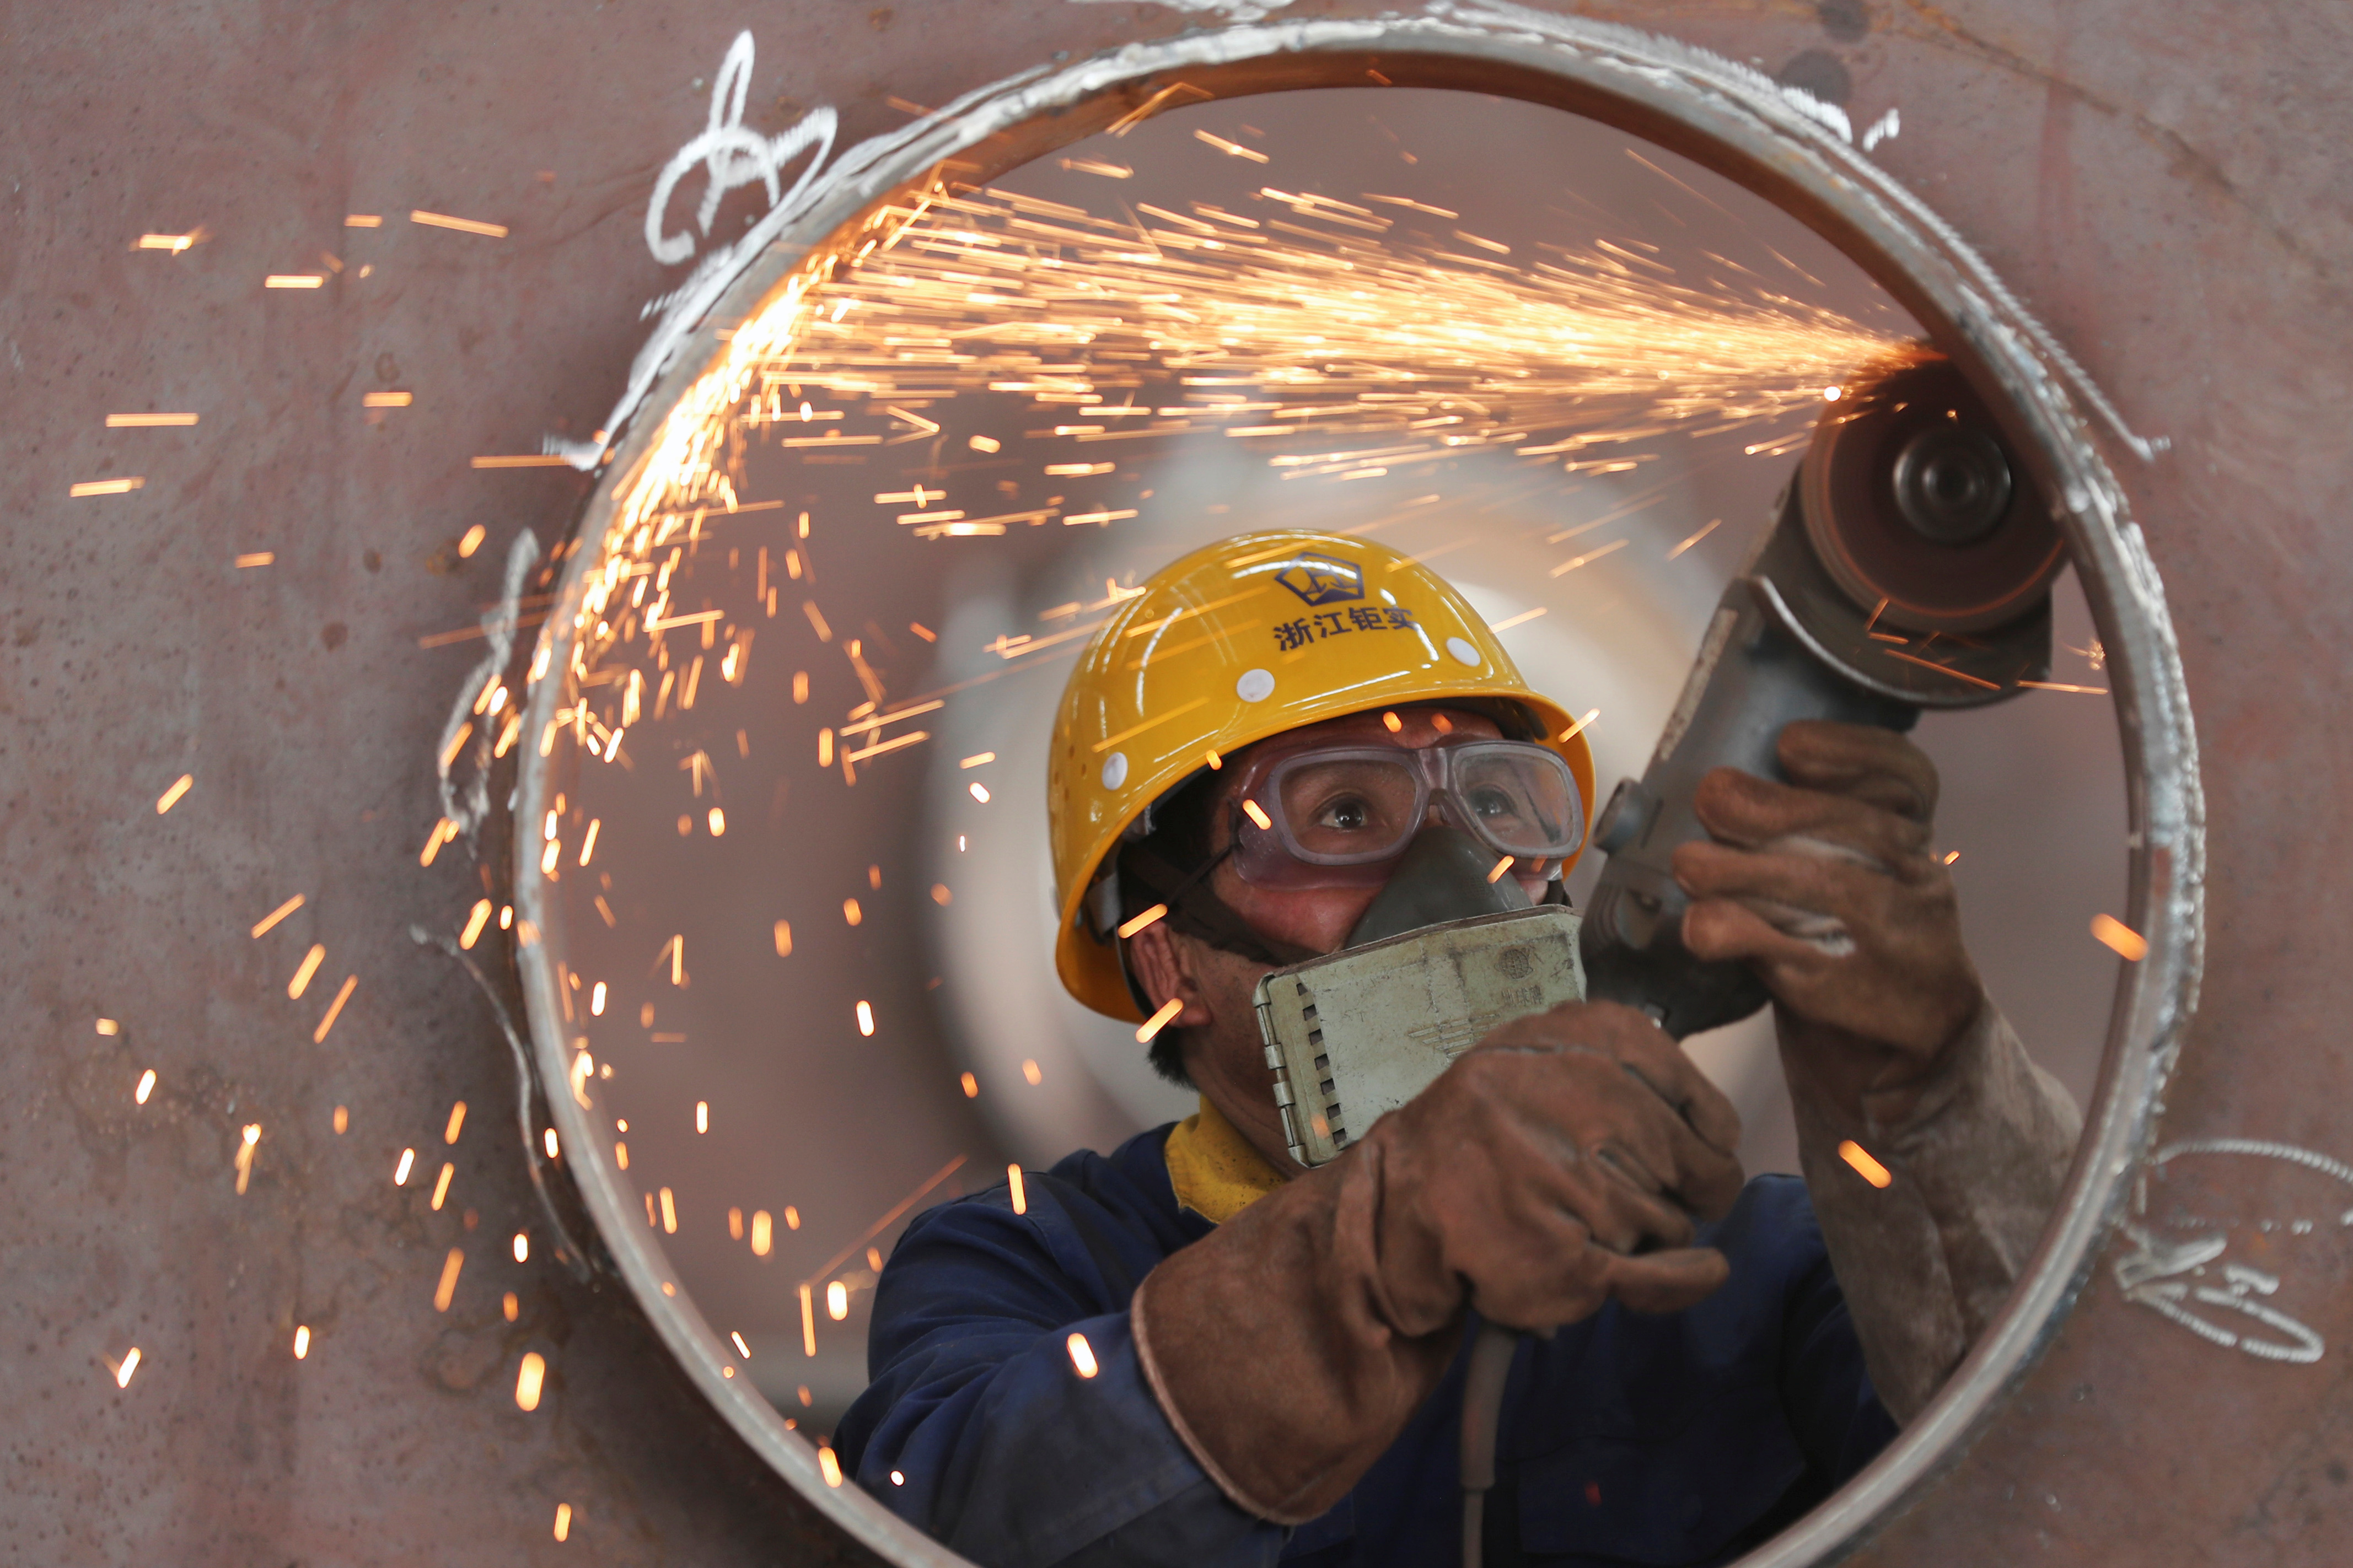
1489, 802
1346, 813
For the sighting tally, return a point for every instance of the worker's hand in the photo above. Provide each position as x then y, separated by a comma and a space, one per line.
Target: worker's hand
1556, 1166
1289, 1346
1827, 887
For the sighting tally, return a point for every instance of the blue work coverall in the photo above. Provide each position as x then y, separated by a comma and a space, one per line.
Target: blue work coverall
1684, 1438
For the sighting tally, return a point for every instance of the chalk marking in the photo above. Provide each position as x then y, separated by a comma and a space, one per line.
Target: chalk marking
2151, 1274
735, 157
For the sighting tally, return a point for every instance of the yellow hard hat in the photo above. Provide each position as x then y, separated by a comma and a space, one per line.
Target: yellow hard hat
1250, 637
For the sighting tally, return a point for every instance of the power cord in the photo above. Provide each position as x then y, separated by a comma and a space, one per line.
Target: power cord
1482, 1417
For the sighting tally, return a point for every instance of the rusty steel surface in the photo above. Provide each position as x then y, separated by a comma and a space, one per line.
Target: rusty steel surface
2159, 182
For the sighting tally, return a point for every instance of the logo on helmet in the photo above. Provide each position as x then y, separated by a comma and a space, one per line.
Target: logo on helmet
1321, 580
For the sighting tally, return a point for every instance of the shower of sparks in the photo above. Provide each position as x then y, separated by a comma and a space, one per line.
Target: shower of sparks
1326, 339
1334, 338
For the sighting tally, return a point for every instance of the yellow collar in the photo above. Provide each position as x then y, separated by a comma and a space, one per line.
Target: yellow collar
1215, 1170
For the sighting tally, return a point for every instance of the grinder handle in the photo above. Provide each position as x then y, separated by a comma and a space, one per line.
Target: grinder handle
1752, 676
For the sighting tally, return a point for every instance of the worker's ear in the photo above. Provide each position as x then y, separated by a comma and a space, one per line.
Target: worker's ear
1167, 966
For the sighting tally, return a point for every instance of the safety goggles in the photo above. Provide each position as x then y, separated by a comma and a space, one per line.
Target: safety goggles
1340, 815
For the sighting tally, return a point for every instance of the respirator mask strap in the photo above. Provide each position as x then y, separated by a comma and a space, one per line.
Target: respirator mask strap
1199, 913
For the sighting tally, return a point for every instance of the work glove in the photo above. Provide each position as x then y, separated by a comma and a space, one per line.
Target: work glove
1556, 1166
1828, 888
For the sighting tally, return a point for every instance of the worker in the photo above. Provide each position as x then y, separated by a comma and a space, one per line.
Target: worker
1194, 1350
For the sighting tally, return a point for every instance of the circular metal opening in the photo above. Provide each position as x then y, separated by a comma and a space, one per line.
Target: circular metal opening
1715, 114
